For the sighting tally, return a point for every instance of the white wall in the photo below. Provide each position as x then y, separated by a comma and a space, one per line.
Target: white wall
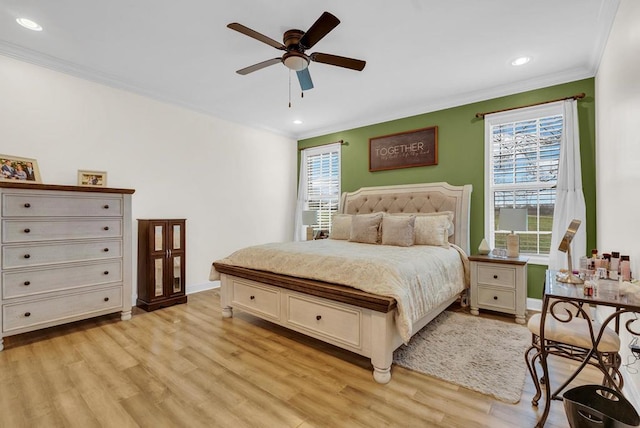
235, 185
618, 151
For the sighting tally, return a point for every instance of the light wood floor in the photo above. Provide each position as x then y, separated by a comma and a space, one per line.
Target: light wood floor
186, 366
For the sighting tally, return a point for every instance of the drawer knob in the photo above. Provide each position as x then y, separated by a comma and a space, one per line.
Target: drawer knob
106, 207
27, 230
106, 250
495, 276
495, 297
27, 256
27, 314
318, 317
252, 297
27, 283
27, 205
106, 272
106, 299
106, 228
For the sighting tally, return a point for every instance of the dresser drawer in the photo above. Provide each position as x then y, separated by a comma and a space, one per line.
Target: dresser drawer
43, 254
254, 298
498, 276
43, 230
498, 298
57, 309
331, 321
39, 205
29, 282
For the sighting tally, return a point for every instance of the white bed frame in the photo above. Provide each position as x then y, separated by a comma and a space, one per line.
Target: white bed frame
354, 320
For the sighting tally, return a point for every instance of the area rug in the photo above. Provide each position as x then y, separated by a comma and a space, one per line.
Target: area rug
480, 354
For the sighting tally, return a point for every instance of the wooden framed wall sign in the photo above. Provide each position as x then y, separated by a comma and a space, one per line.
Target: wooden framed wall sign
404, 150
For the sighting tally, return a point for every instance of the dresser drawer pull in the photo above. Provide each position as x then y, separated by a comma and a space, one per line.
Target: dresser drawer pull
106, 250
27, 314
106, 207
27, 230
27, 256
27, 283
495, 297
318, 317
252, 297
106, 299
106, 272
106, 228
495, 276
27, 205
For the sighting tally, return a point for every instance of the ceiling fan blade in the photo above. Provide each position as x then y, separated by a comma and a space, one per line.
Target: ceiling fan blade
340, 61
304, 77
258, 36
319, 29
259, 66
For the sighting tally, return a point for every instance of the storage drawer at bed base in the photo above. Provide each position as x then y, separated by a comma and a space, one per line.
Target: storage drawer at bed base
254, 298
501, 299
335, 322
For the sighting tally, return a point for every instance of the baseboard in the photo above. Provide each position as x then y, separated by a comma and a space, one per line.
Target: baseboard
196, 288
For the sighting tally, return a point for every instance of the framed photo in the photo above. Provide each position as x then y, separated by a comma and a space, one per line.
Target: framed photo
404, 150
24, 170
92, 178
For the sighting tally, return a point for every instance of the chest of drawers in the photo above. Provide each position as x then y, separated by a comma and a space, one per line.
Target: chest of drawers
65, 255
499, 284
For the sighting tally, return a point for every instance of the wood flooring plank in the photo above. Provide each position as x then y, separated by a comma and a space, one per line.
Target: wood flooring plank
187, 366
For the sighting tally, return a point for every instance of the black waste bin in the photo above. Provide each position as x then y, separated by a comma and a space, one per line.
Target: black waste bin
591, 406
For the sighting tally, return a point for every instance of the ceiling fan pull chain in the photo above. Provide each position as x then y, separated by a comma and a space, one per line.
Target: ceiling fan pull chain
289, 88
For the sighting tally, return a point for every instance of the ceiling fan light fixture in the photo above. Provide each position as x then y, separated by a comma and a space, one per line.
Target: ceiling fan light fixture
295, 61
29, 24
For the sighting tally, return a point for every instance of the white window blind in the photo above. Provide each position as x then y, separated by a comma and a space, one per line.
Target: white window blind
323, 182
523, 153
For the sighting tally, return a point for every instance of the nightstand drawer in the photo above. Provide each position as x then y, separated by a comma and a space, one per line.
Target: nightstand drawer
497, 276
257, 299
498, 298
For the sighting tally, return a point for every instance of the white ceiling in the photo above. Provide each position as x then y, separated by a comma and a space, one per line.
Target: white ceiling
422, 55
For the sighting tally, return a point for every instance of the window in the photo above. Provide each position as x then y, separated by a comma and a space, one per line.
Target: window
320, 169
522, 157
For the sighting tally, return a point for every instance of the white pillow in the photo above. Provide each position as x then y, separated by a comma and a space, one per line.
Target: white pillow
340, 226
448, 213
365, 228
398, 230
432, 230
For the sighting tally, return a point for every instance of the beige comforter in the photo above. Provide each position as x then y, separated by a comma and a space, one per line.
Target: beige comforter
419, 277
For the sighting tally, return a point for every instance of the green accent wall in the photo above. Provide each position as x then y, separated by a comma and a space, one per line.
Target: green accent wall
461, 155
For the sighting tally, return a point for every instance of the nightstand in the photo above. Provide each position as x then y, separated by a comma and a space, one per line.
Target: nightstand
499, 284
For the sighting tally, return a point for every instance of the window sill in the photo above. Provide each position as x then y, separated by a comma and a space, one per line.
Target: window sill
535, 259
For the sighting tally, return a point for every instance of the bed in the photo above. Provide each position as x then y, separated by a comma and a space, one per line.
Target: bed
340, 308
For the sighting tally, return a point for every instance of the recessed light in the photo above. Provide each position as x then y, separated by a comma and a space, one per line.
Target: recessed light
27, 23
297, 122
521, 61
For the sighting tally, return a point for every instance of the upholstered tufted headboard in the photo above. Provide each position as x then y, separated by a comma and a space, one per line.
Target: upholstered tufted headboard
415, 198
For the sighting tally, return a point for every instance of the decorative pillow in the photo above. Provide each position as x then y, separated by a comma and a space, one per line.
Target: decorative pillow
432, 230
365, 228
340, 226
448, 213
398, 230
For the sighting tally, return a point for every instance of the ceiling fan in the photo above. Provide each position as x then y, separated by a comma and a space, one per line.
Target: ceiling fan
296, 42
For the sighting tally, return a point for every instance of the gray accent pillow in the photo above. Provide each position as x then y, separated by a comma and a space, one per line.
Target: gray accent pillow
398, 230
340, 226
365, 228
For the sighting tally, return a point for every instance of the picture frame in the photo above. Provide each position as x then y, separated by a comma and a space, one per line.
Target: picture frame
408, 149
19, 169
92, 178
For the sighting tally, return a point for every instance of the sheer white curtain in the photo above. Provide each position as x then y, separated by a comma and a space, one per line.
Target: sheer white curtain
569, 196
302, 198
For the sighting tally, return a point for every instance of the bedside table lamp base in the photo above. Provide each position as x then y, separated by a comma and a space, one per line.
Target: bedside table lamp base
513, 245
